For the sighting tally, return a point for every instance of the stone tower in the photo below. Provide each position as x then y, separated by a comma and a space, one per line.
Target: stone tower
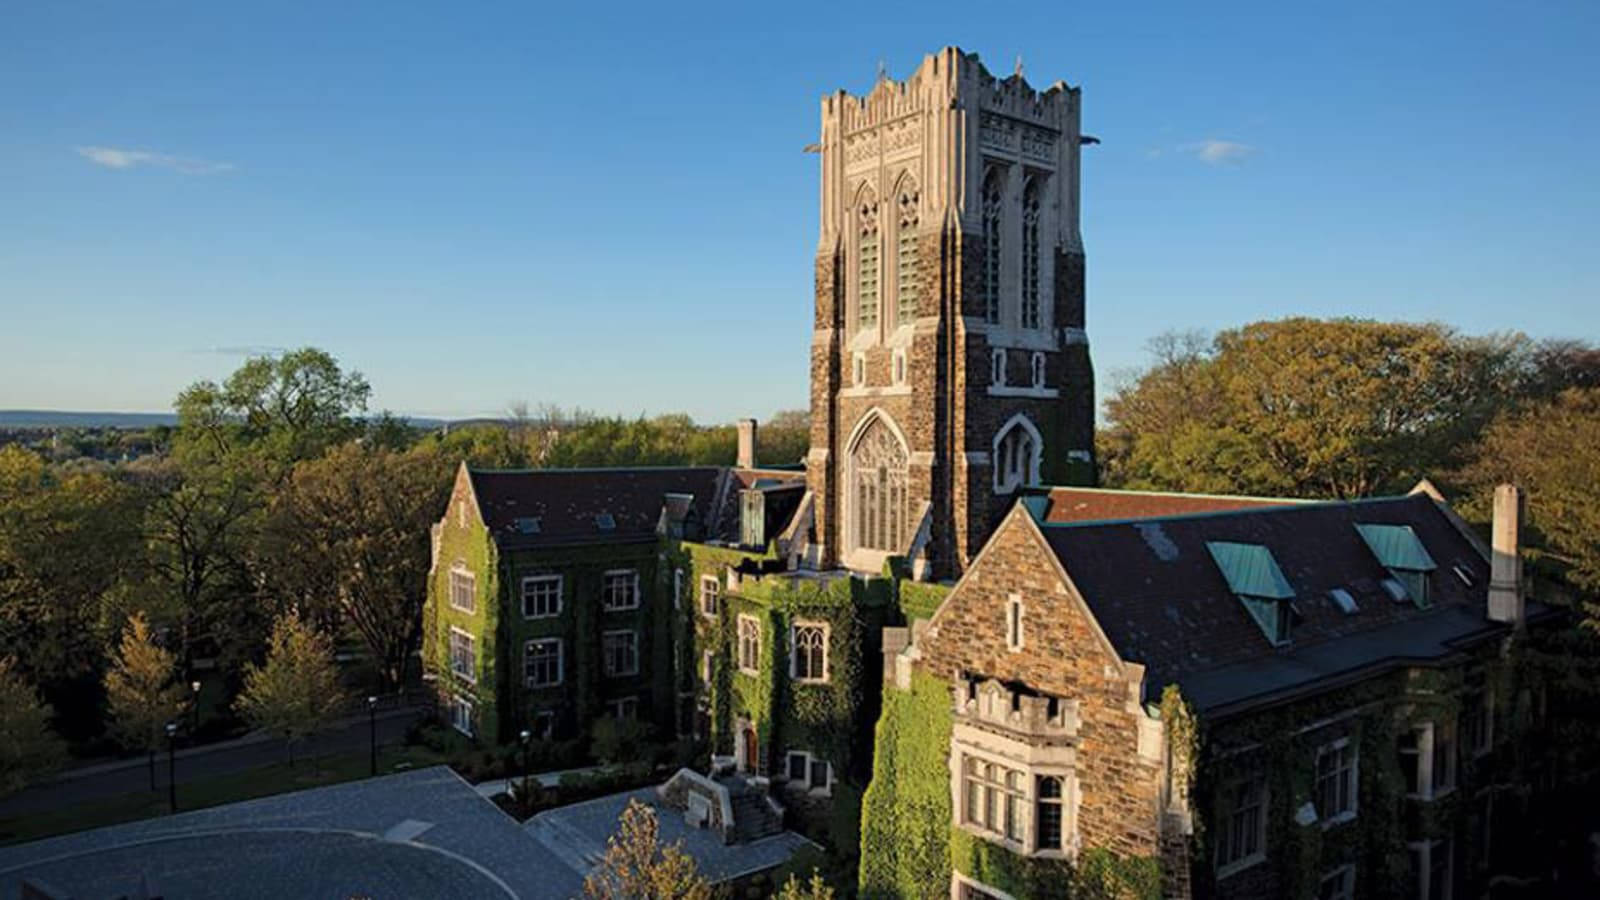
949, 364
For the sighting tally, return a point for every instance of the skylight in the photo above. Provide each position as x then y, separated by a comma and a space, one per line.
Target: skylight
605, 522
526, 524
1395, 590
1342, 599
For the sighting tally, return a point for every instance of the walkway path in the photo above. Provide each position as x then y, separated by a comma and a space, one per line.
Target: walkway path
223, 758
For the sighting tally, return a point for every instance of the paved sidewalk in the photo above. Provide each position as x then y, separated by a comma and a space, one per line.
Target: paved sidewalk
207, 760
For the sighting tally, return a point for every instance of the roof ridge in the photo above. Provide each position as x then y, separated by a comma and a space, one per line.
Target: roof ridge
471, 469
1190, 494
1217, 513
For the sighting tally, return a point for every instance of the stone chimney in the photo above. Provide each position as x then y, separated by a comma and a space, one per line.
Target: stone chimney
747, 443
1505, 563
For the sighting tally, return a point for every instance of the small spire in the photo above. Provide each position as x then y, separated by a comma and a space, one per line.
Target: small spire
883, 71
1019, 66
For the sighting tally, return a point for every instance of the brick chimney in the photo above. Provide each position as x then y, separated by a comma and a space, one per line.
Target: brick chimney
1505, 563
747, 444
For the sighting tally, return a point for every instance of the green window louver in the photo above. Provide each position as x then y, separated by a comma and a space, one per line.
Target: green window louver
1254, 577
1399, 550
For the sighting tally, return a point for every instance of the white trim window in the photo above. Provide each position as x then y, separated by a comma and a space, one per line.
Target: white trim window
710, 596
997, 367
706, 658
677, 589
1432, 865
1428, 760
1016, 457
994, 798
991, 206
543, 664
1049, 813
623, 708
898, 366
858, 370
461, 714
1030, 254
620, 651
808, 653
907, 274
463, 589
1036, 368
1336, 782
541, 596
867, 246
1242, 825
463, 655
620, 590
1014, 632
806, 770
749, 644
1339, 884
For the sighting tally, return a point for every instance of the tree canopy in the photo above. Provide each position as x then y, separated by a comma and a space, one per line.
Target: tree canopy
296, 691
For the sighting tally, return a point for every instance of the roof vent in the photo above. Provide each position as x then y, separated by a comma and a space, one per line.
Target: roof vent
526, 524
1395, 590
605, 522
1463, 573
1342, 599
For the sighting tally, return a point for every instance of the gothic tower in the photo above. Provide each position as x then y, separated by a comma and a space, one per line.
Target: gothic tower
949, 365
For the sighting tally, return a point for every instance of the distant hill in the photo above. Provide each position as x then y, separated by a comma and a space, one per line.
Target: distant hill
52, 418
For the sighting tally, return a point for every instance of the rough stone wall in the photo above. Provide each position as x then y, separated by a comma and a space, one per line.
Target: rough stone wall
1062, 655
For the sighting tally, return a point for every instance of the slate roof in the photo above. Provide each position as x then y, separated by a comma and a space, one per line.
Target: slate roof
1069, 504
570, 505
1163, 601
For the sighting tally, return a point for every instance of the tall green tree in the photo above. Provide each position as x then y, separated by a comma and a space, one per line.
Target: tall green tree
351, 533
637, 867
143, 691
291, 406
295, 692
29, 748
1333, 408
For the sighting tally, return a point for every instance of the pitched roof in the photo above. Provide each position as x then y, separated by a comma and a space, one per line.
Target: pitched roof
539, 507
1165, 602
1069, 504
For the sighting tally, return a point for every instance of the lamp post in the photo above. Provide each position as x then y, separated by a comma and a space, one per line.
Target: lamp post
194, 687
527, 742
372, 729
172, 766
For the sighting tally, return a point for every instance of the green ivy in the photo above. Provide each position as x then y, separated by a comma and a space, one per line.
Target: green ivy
920, 599
905, 814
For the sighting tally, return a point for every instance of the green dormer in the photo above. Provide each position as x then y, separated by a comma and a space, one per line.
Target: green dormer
1254, 577
1399, 550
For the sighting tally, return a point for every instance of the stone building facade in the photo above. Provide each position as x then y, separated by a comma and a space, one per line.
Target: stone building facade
949, 360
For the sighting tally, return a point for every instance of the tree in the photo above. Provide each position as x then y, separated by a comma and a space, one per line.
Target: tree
29, 748
295, 692
1551, 450
1336, 408
815, 889
352, 532
142, 691
292, 406
637, 867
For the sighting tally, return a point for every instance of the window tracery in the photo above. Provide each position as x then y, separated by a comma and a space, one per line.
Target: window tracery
878, 471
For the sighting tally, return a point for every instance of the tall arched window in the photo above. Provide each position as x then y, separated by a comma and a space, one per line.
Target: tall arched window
991, 246
1030, 254
878, 489
867, 262
1016, 456
908, 277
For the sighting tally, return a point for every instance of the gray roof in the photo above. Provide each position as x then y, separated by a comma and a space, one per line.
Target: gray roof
424, 834
577, 835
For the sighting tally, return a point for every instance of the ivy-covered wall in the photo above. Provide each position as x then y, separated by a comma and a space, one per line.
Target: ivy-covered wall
463, 541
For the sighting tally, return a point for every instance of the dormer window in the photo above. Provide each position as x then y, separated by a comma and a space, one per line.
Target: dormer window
1254, 577
1399, 550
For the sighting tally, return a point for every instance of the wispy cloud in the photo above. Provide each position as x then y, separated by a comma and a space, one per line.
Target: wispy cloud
117, 158
247, 350
1215, 152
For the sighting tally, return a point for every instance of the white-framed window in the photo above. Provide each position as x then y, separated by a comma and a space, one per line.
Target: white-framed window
994, 798
749, 644
879, 494
544, 724
1030, 254
623, 708
541, 596
1049, 817
461, 714
620, 651
1036, 368
463, 655
806, 770
1016, 456
1242, 825
858, 369
1427, 757
710, 596
1444, 758
992, 208
706, 659
1336, 781
542, 662
463, 589
1014, 622
620, 590
1339, 884
997, 367
898, 366
1432, 865
867, 263
808, 651
908, 276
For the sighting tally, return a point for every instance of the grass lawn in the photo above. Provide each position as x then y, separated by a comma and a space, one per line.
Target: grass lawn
274, 779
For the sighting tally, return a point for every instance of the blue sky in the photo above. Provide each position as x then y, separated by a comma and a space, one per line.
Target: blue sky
608, 206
